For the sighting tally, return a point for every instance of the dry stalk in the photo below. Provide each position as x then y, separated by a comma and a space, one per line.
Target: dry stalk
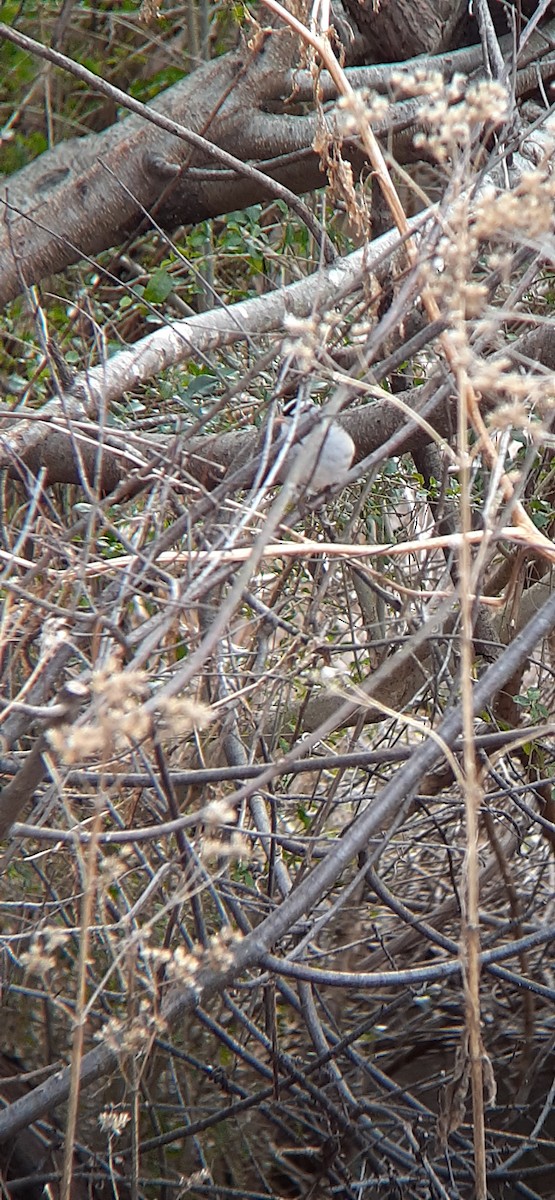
470, 933
89, 877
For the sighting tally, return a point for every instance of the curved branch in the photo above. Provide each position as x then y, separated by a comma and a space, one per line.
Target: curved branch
99, 387
86, 212
299, 84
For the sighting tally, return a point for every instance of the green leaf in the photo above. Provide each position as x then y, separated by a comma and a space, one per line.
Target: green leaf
201, 385
158, 287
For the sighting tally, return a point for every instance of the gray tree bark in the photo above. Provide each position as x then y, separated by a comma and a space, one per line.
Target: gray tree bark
400, 29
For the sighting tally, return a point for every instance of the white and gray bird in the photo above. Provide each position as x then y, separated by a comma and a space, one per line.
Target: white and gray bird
319, 458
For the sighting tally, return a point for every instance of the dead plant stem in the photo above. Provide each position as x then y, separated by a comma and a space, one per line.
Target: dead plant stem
470, 932
89, 876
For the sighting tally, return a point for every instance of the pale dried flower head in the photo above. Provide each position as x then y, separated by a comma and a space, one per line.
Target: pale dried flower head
54, 938
488, 376
303, 338
233, 849
474, 297
116, 688
353, 110
219, 812
378, 109
133, 1038
219, 952
487, 102
113, 1121
212, 850
527, 210
512, 415
183, 969
178, 714
454, 118
157, 955
38, 960
418, 82
120, 715
186, 1182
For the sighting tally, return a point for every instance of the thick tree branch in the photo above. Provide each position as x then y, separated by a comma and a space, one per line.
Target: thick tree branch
89, 193
127, 174
96, 390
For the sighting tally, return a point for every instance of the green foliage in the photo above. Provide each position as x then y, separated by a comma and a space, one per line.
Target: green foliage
531, 701
158, 287
194, 386
146, 89
541, 511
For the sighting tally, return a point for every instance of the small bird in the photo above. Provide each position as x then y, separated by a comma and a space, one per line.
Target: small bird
321, 457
